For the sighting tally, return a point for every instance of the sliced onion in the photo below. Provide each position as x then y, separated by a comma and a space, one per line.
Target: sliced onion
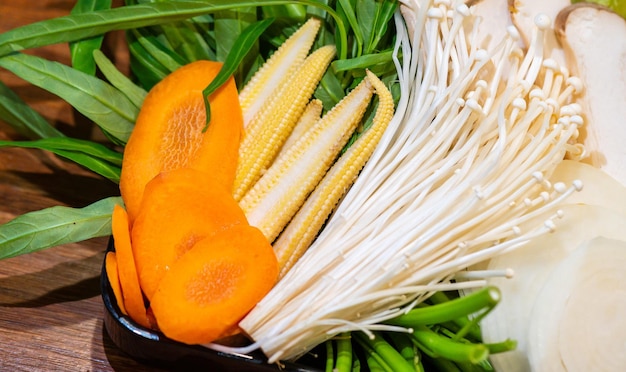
578, 323
598, 187
533, 264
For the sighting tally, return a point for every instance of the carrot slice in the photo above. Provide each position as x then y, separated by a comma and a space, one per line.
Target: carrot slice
168, 132
179, 208
110, 265
129, 283
210, 289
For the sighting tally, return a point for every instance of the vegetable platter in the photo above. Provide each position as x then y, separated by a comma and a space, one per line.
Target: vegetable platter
350, 185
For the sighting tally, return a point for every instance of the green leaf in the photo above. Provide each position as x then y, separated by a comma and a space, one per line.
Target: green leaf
93, 156
166, 57
384, 15
134, 93
295, 12
144, 67
364, 61
330, 91
186, 40
106, 106
244, 43
23, 118
70, 144
81, 51
54, 226
349, 13
229, 24
204, 25
366, 13
96, 165
80, 26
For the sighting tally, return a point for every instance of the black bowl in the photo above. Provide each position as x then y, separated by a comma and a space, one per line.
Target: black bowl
153, 348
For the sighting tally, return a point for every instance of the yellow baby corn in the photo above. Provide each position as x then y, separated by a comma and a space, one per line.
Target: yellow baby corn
309, 117
277, 70
268, 130
273, 200
303, 228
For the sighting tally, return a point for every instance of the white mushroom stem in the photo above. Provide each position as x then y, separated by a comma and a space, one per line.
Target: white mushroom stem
595, 42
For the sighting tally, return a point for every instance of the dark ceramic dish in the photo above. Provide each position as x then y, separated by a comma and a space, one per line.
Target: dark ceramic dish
154, 348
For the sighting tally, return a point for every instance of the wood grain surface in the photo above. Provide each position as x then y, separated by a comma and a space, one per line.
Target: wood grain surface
50, 306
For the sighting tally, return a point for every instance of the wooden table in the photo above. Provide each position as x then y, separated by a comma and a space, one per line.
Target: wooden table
50, 306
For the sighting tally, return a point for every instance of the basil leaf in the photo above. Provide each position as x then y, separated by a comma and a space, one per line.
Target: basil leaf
54, 226
97, 100
244, 43
23, 118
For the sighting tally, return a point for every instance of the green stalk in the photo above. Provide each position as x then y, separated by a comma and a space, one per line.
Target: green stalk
385, 354
486, 298
406, 348
437, 345
501, 347
443, 365
344, 352
330, 361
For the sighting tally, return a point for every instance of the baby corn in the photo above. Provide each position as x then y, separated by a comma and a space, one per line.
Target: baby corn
303, 228
279, 193
310, 116
277, 70
268, 130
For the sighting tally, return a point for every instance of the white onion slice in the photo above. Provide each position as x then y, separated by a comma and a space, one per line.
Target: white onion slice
533, 264
599, 188
578, 323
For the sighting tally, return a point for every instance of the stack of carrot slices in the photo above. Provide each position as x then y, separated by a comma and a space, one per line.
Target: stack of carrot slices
186, 260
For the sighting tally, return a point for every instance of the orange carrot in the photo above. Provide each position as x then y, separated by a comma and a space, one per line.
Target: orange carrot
209, 290
131, 292
178, 210
168, 132
110, 264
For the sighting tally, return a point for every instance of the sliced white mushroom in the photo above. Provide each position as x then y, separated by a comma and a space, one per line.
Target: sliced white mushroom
532, 265
594, 39
578, 323
524, 14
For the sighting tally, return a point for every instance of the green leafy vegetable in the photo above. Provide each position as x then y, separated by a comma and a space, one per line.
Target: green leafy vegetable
86, 25
166, 57
109, 108
22, 117
81, 51
54, 226
70, 144
134, 93
93, 156
243, 44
